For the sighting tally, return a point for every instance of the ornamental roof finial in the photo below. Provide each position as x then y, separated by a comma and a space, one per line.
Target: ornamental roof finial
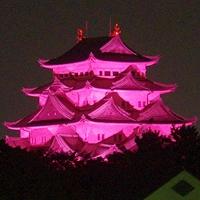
116, 30
80, 35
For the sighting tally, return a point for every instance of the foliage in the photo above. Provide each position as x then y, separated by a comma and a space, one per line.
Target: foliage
30, 175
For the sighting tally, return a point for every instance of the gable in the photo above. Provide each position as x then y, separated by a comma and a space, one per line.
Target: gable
53, 110
115, 45
110, 111
128, 82
158, 112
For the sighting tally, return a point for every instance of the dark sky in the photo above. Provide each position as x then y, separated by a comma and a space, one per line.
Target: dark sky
45, 29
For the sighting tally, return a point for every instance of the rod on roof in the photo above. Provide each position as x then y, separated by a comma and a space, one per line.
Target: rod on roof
110, 25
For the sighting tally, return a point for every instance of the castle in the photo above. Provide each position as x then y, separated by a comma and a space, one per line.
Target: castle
98, 101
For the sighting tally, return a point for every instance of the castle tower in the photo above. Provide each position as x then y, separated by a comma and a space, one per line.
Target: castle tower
98, 101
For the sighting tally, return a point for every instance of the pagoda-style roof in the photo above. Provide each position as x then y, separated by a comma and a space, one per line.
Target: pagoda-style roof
58, 145
125, 81
98, 150
75, 143
103, 48
110, 150
61, 143
115, 139
110, 110
128, 82
23, 143
55, 85
131, 80
158, 112
57, 110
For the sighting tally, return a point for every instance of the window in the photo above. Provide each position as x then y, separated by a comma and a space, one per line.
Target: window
65, 75
100, 137
33, 140
139, 104
115, 73
107, 73
44, 139
100, 73
91, 73
144, 103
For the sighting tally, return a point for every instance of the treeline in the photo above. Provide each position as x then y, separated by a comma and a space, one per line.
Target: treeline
32, 176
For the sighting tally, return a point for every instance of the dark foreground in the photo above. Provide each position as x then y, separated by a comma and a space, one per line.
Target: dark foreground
31, 176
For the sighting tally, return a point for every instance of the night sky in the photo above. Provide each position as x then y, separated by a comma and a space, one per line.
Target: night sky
45, 29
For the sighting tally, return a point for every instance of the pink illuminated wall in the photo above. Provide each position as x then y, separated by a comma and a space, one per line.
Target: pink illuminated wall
96, 105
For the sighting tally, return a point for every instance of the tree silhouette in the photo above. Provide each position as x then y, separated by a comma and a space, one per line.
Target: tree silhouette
131, 175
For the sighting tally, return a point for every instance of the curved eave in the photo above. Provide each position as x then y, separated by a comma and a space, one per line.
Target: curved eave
113, 121
149, 62
29, 92
11, 125
152, 60
165, 89
191, 121
37, 91
52, 66
187, 122
168, 89
14, 126
124, 114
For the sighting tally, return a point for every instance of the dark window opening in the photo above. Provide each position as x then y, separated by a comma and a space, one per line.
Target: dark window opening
91, 73
115, 73
107, 73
